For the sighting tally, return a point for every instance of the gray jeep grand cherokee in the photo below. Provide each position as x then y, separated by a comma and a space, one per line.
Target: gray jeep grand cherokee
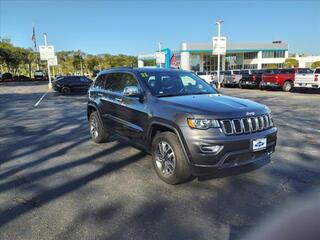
187, 126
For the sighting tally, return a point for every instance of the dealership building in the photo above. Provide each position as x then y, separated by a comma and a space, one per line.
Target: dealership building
199, 57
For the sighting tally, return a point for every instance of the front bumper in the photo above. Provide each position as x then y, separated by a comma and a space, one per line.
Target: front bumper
236, 151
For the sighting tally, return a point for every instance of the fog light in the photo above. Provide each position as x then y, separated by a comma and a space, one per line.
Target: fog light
211, 148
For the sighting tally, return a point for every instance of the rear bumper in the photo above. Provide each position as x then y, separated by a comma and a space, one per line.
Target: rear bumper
307, 85
248, 83
270, 84
236, 151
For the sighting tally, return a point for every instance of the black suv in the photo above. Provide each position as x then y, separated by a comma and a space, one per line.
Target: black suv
187, 126
68, 84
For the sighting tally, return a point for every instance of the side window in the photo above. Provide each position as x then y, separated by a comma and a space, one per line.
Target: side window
100, 82
317, 70
129, 80
84, 80
188, 81
114, 83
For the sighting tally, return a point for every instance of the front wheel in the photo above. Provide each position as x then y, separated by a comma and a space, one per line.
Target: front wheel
287, 86
168, 159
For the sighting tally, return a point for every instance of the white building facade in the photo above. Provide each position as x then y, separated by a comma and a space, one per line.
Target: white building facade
198, 57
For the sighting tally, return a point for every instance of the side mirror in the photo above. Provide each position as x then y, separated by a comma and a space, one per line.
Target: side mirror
132, 91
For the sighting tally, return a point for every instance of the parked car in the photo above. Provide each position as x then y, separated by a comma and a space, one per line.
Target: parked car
231, 78
39, 75
215, 77
68, 84
207, 76
308, 79
251, 78
280, 78
183, 122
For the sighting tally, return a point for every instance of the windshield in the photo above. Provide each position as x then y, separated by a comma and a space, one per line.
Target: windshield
175, 83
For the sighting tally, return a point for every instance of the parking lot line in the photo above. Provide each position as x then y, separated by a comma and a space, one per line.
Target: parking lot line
37, 103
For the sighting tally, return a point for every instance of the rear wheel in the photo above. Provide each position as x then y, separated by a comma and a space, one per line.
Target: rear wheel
168, 158
240, 84
97, 131
287, 86
65, 90
261, 87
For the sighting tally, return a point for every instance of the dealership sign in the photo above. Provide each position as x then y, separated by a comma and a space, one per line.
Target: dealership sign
53, 61
219, 45
160, 57
46, 52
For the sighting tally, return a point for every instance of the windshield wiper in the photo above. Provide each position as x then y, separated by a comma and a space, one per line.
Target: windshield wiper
168, 95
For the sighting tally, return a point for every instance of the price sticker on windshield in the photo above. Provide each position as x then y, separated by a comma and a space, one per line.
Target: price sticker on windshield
144, 74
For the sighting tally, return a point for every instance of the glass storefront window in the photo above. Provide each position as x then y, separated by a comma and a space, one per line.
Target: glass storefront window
195, 62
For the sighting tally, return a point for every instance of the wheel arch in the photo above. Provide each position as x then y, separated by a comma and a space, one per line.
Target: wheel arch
160, 126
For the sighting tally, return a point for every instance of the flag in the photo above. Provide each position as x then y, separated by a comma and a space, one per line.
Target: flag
34, 39
173, 61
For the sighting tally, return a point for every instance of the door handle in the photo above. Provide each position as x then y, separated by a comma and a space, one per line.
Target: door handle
100, 94
118, 99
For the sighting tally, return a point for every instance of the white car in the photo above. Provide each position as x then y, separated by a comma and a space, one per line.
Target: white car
205, 76
232, 78
307, 79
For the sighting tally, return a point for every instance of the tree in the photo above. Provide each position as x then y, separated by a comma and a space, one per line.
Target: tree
291, 63
315, 64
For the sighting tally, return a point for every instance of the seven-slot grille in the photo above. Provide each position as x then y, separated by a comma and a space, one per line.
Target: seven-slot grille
246, 125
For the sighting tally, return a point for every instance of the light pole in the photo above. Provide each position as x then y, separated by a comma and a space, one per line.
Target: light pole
45, 43
219, 34
160, 48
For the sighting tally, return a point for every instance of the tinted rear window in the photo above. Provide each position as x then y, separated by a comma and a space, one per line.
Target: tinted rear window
236, 72
244, 72
305, 70
286, 71
227, 73
201, 73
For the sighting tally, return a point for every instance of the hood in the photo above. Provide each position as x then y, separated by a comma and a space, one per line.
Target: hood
216, 105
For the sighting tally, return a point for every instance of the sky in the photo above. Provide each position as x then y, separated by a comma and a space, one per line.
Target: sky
134, 27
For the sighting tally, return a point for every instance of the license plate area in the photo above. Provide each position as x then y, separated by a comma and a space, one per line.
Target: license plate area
259, 144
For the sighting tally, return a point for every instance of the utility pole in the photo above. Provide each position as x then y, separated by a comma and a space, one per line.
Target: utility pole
45, 43
160, 48
219, 35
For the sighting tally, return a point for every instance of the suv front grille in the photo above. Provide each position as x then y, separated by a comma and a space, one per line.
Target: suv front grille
246, 125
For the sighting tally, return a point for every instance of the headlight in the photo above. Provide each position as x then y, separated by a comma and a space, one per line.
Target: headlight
271, 120
203, 123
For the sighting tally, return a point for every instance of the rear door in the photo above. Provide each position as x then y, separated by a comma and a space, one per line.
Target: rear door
111, 97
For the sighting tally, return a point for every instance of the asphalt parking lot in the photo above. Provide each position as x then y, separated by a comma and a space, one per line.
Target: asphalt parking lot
55, 183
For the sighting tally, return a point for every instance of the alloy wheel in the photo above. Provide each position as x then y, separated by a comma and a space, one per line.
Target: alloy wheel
165, 159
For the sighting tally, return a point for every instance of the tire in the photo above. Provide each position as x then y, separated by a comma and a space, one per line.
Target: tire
261, 87
65, 90
287, 86
172, 155
240, 86
96, 128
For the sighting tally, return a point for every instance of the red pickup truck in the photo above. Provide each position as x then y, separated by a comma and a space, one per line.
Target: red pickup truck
280, 78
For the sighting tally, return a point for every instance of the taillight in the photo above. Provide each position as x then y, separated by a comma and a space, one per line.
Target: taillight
316, 77
253, 77
233, 77
276, 77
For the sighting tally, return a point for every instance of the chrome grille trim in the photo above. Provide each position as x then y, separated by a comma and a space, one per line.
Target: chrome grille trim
245, 125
